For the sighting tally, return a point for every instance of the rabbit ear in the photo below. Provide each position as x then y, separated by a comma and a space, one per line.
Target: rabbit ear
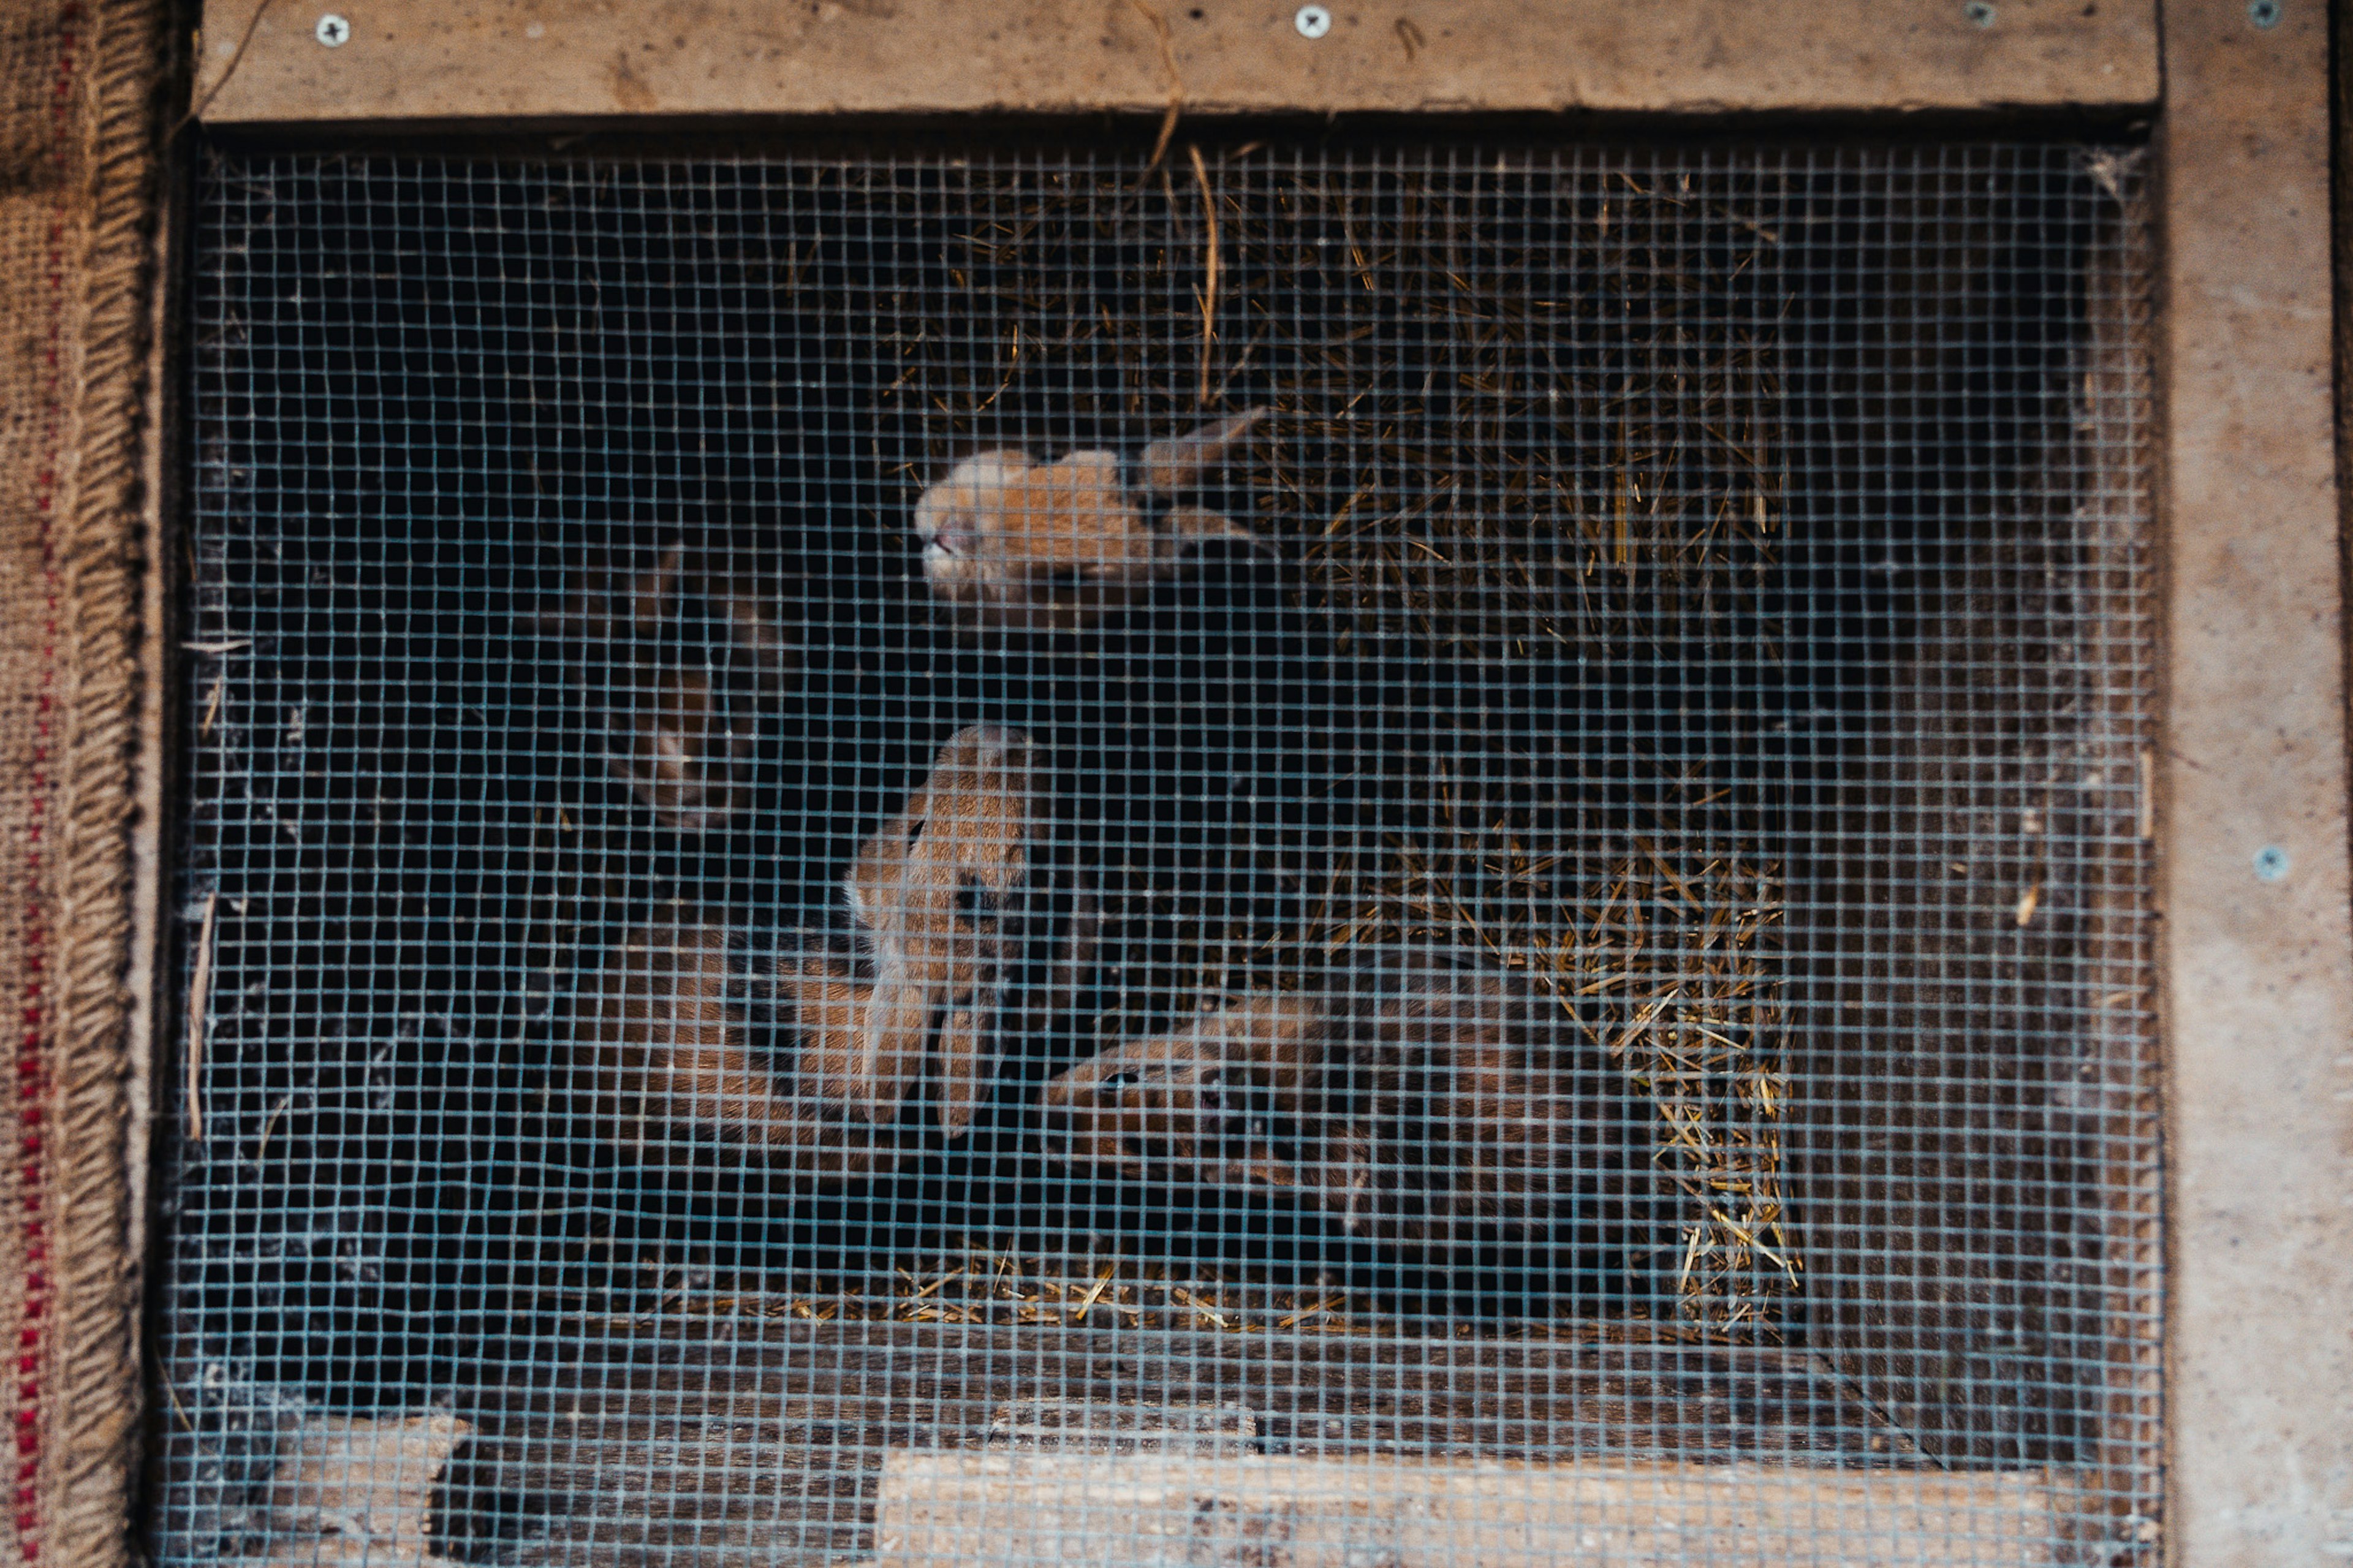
964, 1069
589, 611
893, 1052
1192, 525
1171, 464
650, 591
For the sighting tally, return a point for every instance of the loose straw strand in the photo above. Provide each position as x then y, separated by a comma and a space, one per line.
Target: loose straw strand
199, 990
1176, 81
1208, 292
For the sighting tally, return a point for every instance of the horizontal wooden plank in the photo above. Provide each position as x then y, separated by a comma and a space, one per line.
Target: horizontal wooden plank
775, 1437
570, 61
1121, 1510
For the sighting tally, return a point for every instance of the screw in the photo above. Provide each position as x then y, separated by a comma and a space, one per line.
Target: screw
2264, 13
1313, 21
2270, 863
332, 31
1979, 13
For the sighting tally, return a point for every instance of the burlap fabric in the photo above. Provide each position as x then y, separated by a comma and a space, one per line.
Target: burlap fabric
79, 160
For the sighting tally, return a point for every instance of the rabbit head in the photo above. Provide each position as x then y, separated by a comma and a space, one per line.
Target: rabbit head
681, 743
687, 648
940, 895
1013, 543
1210, 1102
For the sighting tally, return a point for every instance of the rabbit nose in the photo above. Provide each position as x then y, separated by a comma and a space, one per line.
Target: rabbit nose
955, 534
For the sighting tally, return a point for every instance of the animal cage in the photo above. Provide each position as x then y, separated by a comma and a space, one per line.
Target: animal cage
1199, 838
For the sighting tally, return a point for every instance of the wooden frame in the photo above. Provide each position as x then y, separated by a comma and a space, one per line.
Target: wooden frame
2259, 1004
509, 61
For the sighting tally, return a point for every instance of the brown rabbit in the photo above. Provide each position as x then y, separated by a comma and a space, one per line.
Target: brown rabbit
689, 1040
1027, 546
1420, 1099
688, 649
941, 896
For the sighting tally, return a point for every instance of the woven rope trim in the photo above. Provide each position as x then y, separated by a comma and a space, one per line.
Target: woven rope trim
91, 1394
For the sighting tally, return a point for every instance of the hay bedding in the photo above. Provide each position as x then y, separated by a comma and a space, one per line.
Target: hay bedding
1521, 470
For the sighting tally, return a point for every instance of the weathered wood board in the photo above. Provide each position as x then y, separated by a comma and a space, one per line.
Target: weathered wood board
2259, 1156
1121, 1511
350, 1491
517, 61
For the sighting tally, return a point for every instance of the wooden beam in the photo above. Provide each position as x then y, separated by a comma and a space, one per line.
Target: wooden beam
2260, 1036
518, 61
1115, 1508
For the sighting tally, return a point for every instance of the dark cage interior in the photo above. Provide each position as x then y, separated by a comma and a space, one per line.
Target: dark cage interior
1342, 802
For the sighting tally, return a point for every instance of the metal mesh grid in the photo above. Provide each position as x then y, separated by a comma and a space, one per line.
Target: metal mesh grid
1299, 817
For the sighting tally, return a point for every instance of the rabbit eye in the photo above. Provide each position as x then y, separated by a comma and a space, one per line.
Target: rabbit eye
1121, 1081
975, 901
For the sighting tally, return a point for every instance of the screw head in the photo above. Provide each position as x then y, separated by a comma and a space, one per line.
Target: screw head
2270, 863
2264, 13
333, 30
1979, 13
1313, 21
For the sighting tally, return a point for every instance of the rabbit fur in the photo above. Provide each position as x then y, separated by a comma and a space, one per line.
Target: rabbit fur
1418, 1099
1015, 544
690, 645
943, 898
692, 1037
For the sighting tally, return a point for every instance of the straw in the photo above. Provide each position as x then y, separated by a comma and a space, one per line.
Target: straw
1523, 438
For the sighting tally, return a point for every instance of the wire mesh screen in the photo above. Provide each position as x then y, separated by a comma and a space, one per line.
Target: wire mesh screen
1311, 853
